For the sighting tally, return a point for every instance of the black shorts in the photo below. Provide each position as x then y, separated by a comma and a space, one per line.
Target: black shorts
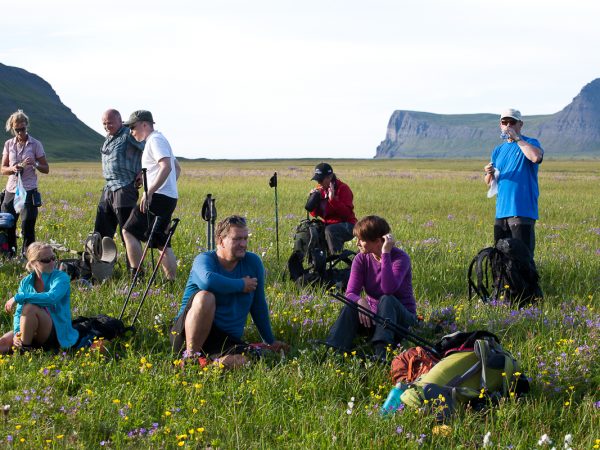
161, 209
217, 343
50, 344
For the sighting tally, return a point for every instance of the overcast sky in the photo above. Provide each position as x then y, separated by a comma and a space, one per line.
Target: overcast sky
305, 78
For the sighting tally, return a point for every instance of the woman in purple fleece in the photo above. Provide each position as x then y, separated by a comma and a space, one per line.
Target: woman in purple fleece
381, 280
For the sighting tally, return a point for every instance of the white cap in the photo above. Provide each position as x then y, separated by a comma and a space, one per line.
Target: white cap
511, 112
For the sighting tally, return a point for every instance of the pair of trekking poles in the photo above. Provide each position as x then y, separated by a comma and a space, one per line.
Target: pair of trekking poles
138, 272
385, 323
209, 214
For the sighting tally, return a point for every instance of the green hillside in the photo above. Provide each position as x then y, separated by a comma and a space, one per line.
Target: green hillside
64, 136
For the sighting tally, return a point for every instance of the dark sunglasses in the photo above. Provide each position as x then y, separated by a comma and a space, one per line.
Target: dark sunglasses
47, 260
20, 130
508, 121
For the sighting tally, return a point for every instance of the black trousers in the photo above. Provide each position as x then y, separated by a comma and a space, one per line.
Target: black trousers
29, 215
347, 325
522, 228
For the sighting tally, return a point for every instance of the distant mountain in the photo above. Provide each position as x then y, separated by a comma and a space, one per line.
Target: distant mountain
572, 132
64, 136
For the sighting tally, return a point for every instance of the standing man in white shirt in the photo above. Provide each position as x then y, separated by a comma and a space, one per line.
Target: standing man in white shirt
162, 171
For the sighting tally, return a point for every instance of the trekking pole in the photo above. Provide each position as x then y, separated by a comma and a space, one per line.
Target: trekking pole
273, 184
138, 270
209, 214
398, 329
145, 183
172, 229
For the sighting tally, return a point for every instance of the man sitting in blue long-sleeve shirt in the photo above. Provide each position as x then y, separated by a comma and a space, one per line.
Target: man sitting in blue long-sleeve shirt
223, 287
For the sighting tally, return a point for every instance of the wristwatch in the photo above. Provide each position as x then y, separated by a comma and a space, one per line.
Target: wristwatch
36, 164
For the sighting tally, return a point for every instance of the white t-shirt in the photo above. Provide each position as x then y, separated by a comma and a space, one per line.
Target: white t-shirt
157, 147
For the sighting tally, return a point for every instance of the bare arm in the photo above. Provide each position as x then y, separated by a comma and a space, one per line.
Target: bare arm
6, 168
489, 173
177, 169
42, 165
531, 152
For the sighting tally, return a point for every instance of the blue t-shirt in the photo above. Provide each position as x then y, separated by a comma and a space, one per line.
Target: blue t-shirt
233, 305
518, 190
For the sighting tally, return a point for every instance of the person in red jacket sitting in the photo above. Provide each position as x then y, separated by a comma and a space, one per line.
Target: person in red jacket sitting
331, 200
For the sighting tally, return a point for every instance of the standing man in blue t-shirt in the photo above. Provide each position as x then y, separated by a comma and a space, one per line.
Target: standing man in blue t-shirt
224, 286
517, 161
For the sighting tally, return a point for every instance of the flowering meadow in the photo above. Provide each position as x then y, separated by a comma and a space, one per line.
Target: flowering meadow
138, 394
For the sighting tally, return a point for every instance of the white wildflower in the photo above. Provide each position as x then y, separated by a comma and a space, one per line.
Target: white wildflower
545, 440
350, 406
568, 441
487, 442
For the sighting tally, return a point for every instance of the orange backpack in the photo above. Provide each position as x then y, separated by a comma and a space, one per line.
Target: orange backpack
411, 364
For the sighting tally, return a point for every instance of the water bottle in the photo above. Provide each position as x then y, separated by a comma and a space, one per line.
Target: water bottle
393, 402
504, 135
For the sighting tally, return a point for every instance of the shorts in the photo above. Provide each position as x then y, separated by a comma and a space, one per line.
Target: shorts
50, 344
161, 209
218, 342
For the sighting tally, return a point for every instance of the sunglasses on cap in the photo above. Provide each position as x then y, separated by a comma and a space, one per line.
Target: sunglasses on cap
508, 121
47, 260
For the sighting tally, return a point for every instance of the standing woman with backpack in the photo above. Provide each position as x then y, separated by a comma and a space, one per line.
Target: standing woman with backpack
23, 156
43, 306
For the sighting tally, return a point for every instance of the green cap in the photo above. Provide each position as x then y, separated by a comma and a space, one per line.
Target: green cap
139, 116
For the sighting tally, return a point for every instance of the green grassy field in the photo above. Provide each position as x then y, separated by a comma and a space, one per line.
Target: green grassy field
136, 397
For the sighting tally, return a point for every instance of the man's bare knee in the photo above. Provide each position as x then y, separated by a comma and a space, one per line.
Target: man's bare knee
204, 302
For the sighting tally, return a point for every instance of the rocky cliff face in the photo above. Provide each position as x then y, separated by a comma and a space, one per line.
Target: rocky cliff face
63, 135
574, 131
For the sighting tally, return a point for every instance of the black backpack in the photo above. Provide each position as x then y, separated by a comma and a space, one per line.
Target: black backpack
505, 271
310, 244
100, 326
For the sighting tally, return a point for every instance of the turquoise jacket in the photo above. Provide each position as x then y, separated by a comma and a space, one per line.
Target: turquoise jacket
56, 299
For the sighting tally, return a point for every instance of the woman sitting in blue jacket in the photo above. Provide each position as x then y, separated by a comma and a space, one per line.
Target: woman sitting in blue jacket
43, 306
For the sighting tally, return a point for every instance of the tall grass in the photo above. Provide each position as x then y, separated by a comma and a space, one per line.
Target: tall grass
136, 397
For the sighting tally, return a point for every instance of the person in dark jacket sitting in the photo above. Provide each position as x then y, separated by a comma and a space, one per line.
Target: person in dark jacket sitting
332, 201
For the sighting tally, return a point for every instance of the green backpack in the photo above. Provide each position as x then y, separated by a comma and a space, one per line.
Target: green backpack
475, 375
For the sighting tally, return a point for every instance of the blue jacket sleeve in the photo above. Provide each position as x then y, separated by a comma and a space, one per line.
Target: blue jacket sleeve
59, 286
205, 275
259, 309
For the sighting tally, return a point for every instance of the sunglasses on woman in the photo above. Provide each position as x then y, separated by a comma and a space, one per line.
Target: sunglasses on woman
47, 260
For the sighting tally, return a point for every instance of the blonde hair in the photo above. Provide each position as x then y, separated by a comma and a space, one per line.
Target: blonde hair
15, 118
33, 253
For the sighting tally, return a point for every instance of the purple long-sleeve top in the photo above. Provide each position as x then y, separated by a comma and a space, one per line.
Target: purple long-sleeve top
390, 276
